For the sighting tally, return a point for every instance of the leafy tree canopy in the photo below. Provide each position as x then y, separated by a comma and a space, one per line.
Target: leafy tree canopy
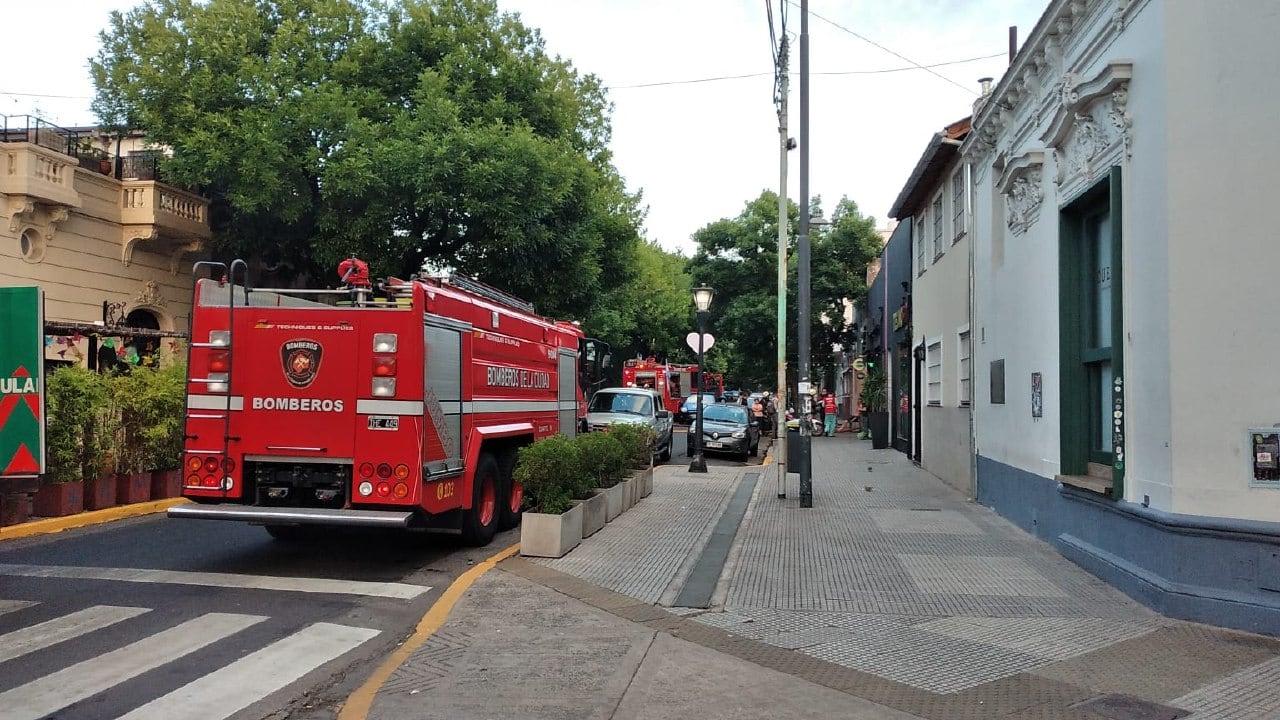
739, 258
420, 131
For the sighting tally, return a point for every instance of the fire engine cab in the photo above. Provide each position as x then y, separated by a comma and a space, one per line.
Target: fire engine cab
649, 373
398, 406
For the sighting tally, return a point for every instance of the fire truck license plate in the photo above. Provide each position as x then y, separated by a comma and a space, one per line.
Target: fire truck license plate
384, 422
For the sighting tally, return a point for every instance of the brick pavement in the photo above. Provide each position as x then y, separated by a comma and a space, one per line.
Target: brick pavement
898, 589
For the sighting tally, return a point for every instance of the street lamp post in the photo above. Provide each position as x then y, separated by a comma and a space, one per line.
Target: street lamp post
702, 299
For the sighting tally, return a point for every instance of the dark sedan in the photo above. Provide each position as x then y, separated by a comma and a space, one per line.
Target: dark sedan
728, 428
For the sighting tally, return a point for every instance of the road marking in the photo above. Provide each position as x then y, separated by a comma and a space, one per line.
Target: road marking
359, 702
86, 679
230, 689
60, 629
399, 591
11, 605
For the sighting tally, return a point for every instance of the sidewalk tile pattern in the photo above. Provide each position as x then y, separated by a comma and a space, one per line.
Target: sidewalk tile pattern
654, 538
894, 576
1250, 694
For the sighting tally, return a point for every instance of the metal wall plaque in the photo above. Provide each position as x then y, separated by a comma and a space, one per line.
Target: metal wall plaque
1264, 451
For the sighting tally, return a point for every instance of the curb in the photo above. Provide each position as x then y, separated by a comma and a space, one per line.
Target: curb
93, 517
360, 702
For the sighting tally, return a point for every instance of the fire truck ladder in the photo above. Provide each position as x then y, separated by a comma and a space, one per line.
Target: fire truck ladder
228, 276
489, 292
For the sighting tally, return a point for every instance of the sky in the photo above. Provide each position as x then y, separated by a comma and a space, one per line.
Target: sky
697, 151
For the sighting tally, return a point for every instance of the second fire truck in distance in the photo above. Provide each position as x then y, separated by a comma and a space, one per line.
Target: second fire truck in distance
398, 406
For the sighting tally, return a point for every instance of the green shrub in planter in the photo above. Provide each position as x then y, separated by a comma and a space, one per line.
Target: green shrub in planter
637, 443
150, 404
603, 458
78, 431
551, 474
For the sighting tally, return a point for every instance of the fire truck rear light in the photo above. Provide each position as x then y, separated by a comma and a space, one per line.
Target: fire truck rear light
210, 481
401, 491
384, 470
211, 464
228, 465
217, 382
365, 488
384, 366
402, 471
384, 489
194, 463
366, 469
220, 338
384, 387
193, 481
385, 342
228, 483
219, 361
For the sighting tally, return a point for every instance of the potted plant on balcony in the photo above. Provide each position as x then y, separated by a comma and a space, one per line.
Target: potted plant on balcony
875, 397
74, 398
550, 473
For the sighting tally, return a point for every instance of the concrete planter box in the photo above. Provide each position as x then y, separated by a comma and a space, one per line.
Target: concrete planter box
628, 494
614, 498
552, 536
595, 513
647, 477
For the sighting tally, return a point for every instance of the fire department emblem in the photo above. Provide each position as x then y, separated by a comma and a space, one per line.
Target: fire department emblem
301, 359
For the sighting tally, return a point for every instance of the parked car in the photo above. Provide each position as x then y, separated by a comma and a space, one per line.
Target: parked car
689, 408
638, 406
731, 396
728, 428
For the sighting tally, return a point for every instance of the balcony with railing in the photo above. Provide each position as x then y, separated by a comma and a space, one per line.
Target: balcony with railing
38, 163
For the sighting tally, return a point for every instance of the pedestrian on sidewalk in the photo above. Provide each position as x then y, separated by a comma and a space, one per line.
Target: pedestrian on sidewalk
829, 414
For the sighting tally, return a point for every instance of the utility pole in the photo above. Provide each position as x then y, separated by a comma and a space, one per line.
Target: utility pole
784, 146
805, 454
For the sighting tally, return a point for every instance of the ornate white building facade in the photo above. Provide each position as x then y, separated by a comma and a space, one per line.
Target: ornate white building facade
1124, 397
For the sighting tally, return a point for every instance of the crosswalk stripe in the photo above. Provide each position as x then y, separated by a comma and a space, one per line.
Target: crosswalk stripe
11, 605
51, 632
72, 684
228, 690
400, 591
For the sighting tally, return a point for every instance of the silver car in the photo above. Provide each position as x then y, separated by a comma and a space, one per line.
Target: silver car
637, 406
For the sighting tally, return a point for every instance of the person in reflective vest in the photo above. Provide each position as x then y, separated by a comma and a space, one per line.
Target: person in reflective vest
829, 414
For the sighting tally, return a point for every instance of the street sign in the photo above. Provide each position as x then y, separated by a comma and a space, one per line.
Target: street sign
859, 364
707, 342
22, 446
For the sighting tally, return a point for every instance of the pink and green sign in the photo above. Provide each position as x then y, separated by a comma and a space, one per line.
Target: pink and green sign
22, 450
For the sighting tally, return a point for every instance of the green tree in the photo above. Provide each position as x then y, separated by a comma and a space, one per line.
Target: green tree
648, 315
739, 258
433, 132
838, 276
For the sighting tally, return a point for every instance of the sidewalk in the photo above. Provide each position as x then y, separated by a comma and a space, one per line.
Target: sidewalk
893, 597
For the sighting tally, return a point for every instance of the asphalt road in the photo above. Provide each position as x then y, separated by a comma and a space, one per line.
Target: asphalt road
158, 618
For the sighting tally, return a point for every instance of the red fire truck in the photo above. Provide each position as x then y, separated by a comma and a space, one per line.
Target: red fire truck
650, 373
687, 376
400, 405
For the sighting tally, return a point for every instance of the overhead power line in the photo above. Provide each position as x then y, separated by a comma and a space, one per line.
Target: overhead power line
45, 95
898, 55
831, 72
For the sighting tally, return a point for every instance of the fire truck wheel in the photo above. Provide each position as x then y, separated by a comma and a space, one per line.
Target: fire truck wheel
512, 493
482, 519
